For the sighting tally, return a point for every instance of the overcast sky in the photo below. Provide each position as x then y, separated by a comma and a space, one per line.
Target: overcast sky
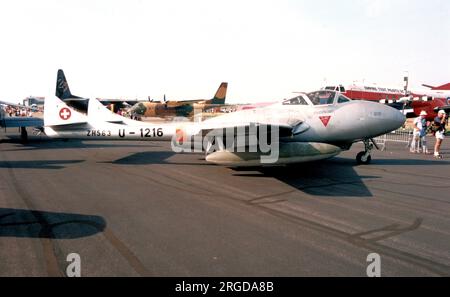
264, 49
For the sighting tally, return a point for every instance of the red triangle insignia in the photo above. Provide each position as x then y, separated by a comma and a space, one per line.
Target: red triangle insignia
325, 120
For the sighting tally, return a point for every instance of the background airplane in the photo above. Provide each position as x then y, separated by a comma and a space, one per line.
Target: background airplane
182, 108
369, 92
431, 101
411, 101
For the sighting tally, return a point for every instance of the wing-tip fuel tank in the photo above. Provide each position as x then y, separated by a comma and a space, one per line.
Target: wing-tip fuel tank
290, 152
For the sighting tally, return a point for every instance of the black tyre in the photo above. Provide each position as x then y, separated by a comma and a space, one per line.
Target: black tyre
361, 160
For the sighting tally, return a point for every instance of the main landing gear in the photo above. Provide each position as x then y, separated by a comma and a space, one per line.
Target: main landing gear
23, 134
364, 156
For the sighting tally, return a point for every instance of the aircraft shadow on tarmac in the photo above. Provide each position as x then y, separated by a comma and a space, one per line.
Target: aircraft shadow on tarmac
335, 177
38, 164
43, 224
46, 143
158, 157
412, 162
145, 158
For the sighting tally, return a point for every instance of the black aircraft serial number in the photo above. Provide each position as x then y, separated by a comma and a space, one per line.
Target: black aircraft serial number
99, 133
143, 132
147, 132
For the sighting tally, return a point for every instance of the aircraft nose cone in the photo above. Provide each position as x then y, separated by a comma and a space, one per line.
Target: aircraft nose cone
383, 119
394, 117
401, 118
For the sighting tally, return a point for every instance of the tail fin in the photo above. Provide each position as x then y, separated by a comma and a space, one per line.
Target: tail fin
63, 93
221, 94
443, 87
57, 113
62, 87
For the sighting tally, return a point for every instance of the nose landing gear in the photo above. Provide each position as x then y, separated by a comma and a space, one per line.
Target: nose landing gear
364, 156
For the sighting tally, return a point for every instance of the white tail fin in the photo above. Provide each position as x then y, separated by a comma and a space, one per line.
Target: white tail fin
57, 113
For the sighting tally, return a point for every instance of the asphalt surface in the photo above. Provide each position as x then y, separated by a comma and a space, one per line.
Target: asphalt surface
135, 208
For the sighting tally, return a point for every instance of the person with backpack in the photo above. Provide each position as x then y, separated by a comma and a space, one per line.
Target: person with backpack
439, 128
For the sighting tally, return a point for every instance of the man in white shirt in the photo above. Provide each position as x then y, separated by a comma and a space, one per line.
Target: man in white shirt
419, 134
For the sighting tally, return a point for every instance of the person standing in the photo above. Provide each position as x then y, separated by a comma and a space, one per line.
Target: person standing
439, 123
419, 134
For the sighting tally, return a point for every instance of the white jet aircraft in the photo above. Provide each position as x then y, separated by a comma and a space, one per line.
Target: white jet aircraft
308, 127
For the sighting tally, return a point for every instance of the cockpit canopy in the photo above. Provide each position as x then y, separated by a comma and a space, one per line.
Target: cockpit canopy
299, 100
322, 97
339, 88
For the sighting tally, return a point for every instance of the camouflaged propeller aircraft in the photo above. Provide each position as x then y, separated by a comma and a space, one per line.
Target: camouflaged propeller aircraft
180, 108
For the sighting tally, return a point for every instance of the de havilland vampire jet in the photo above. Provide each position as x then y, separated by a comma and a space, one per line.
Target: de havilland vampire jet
312, 126
308, 127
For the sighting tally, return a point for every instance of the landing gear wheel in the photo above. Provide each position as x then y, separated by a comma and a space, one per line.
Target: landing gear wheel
23, 135
363, 158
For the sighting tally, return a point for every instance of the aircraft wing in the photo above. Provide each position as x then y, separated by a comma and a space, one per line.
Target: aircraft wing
198, 101
14, 122
15, 105
181, 102
21, 122
284, 129
118, 100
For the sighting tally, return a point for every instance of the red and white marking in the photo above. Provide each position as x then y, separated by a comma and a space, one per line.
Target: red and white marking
181, 135
65, 113
325, 120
